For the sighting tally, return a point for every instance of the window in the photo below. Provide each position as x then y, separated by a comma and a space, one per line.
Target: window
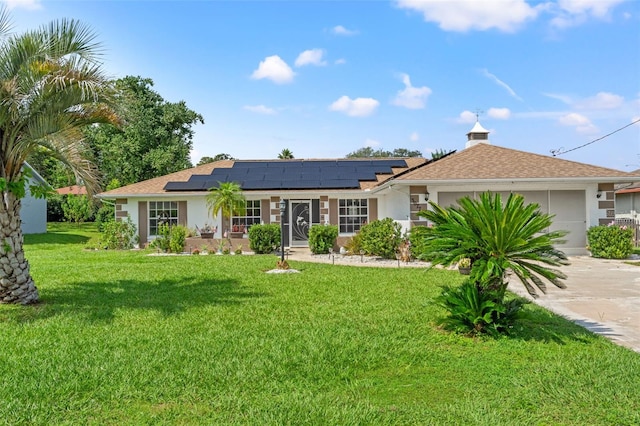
352, 215
251, 216
160, 213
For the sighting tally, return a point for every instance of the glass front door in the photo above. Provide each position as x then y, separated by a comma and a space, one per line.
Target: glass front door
300, 222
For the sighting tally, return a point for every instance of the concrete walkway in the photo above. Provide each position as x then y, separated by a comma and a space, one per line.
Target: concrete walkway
601, 295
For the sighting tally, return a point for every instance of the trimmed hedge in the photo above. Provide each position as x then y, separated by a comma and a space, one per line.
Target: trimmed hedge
264, 239
322, 238
610, 241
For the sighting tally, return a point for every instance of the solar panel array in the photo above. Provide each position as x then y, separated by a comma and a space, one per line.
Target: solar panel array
297, 174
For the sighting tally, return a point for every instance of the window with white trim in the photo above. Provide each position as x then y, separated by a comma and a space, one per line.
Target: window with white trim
251, 216
160, 213
352, 214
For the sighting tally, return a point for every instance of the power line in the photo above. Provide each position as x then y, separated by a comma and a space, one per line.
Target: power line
556, 152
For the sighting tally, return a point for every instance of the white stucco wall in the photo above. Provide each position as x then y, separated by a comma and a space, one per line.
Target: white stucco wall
394, 203
33, 215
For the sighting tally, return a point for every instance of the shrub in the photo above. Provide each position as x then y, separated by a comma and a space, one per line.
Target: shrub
417, 240
322, 238
264, 238
381, 238
77, 208
54, 208
163, 238
354, 245
474, 310
177, 238
118, 235
610, 241
106, 213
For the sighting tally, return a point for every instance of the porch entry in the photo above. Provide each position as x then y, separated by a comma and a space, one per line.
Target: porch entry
300, 215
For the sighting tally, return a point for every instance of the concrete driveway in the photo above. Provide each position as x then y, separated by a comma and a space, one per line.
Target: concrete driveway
601, 295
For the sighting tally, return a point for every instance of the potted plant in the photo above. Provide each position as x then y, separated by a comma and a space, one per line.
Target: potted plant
207, 231
464, 266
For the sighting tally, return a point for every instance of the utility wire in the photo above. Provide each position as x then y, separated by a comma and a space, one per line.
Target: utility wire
560, 152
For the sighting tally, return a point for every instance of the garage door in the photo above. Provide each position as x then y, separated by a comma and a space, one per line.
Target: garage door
569, 208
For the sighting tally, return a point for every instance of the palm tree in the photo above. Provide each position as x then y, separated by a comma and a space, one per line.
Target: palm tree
226, 198
286, 154
497, 239
51, 86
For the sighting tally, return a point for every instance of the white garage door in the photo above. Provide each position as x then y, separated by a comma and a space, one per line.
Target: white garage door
569, 208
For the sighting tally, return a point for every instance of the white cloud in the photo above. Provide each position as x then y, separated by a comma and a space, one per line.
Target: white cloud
499, 113
467, 117
411, 97
340, 61
195, 156
371, 143
574, 12
24, 4
359, 107
579, 121
465, 15
340, 30
311, 57
602, 100
414, 137
560, 97
501, 83
275, 69
260, 109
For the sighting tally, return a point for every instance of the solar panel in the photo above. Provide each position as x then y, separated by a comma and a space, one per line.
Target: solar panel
292, 174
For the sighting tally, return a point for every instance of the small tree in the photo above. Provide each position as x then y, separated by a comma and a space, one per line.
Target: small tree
227, 199
496, 238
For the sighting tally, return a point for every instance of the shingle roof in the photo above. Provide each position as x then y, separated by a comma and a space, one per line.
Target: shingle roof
485, 161
73, 189
157, 185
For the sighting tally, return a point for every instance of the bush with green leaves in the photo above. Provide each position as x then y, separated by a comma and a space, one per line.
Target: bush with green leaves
106, 213
177, 237
381, 238
54, 208
163, 238
471, 310
322, 238
77, 208
264, 239
610, 241
416, 239
118, 235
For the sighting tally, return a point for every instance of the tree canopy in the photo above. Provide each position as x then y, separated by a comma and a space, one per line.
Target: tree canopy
286, 154
154, 140
368, 151
218, 157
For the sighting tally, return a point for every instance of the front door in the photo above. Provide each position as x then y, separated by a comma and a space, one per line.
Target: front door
300, 221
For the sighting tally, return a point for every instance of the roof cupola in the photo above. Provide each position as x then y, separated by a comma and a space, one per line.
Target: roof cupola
477, 135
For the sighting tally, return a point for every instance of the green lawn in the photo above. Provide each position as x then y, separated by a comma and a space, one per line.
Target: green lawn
126, 338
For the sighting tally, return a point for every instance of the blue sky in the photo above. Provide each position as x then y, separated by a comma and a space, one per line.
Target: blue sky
324, 78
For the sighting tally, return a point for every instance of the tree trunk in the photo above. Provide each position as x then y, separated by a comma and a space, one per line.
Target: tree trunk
16, 284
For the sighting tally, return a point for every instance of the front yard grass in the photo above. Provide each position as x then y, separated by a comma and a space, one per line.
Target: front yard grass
126, 338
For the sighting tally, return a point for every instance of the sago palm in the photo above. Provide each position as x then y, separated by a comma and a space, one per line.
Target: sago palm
227, 199
51, 86
497, 238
